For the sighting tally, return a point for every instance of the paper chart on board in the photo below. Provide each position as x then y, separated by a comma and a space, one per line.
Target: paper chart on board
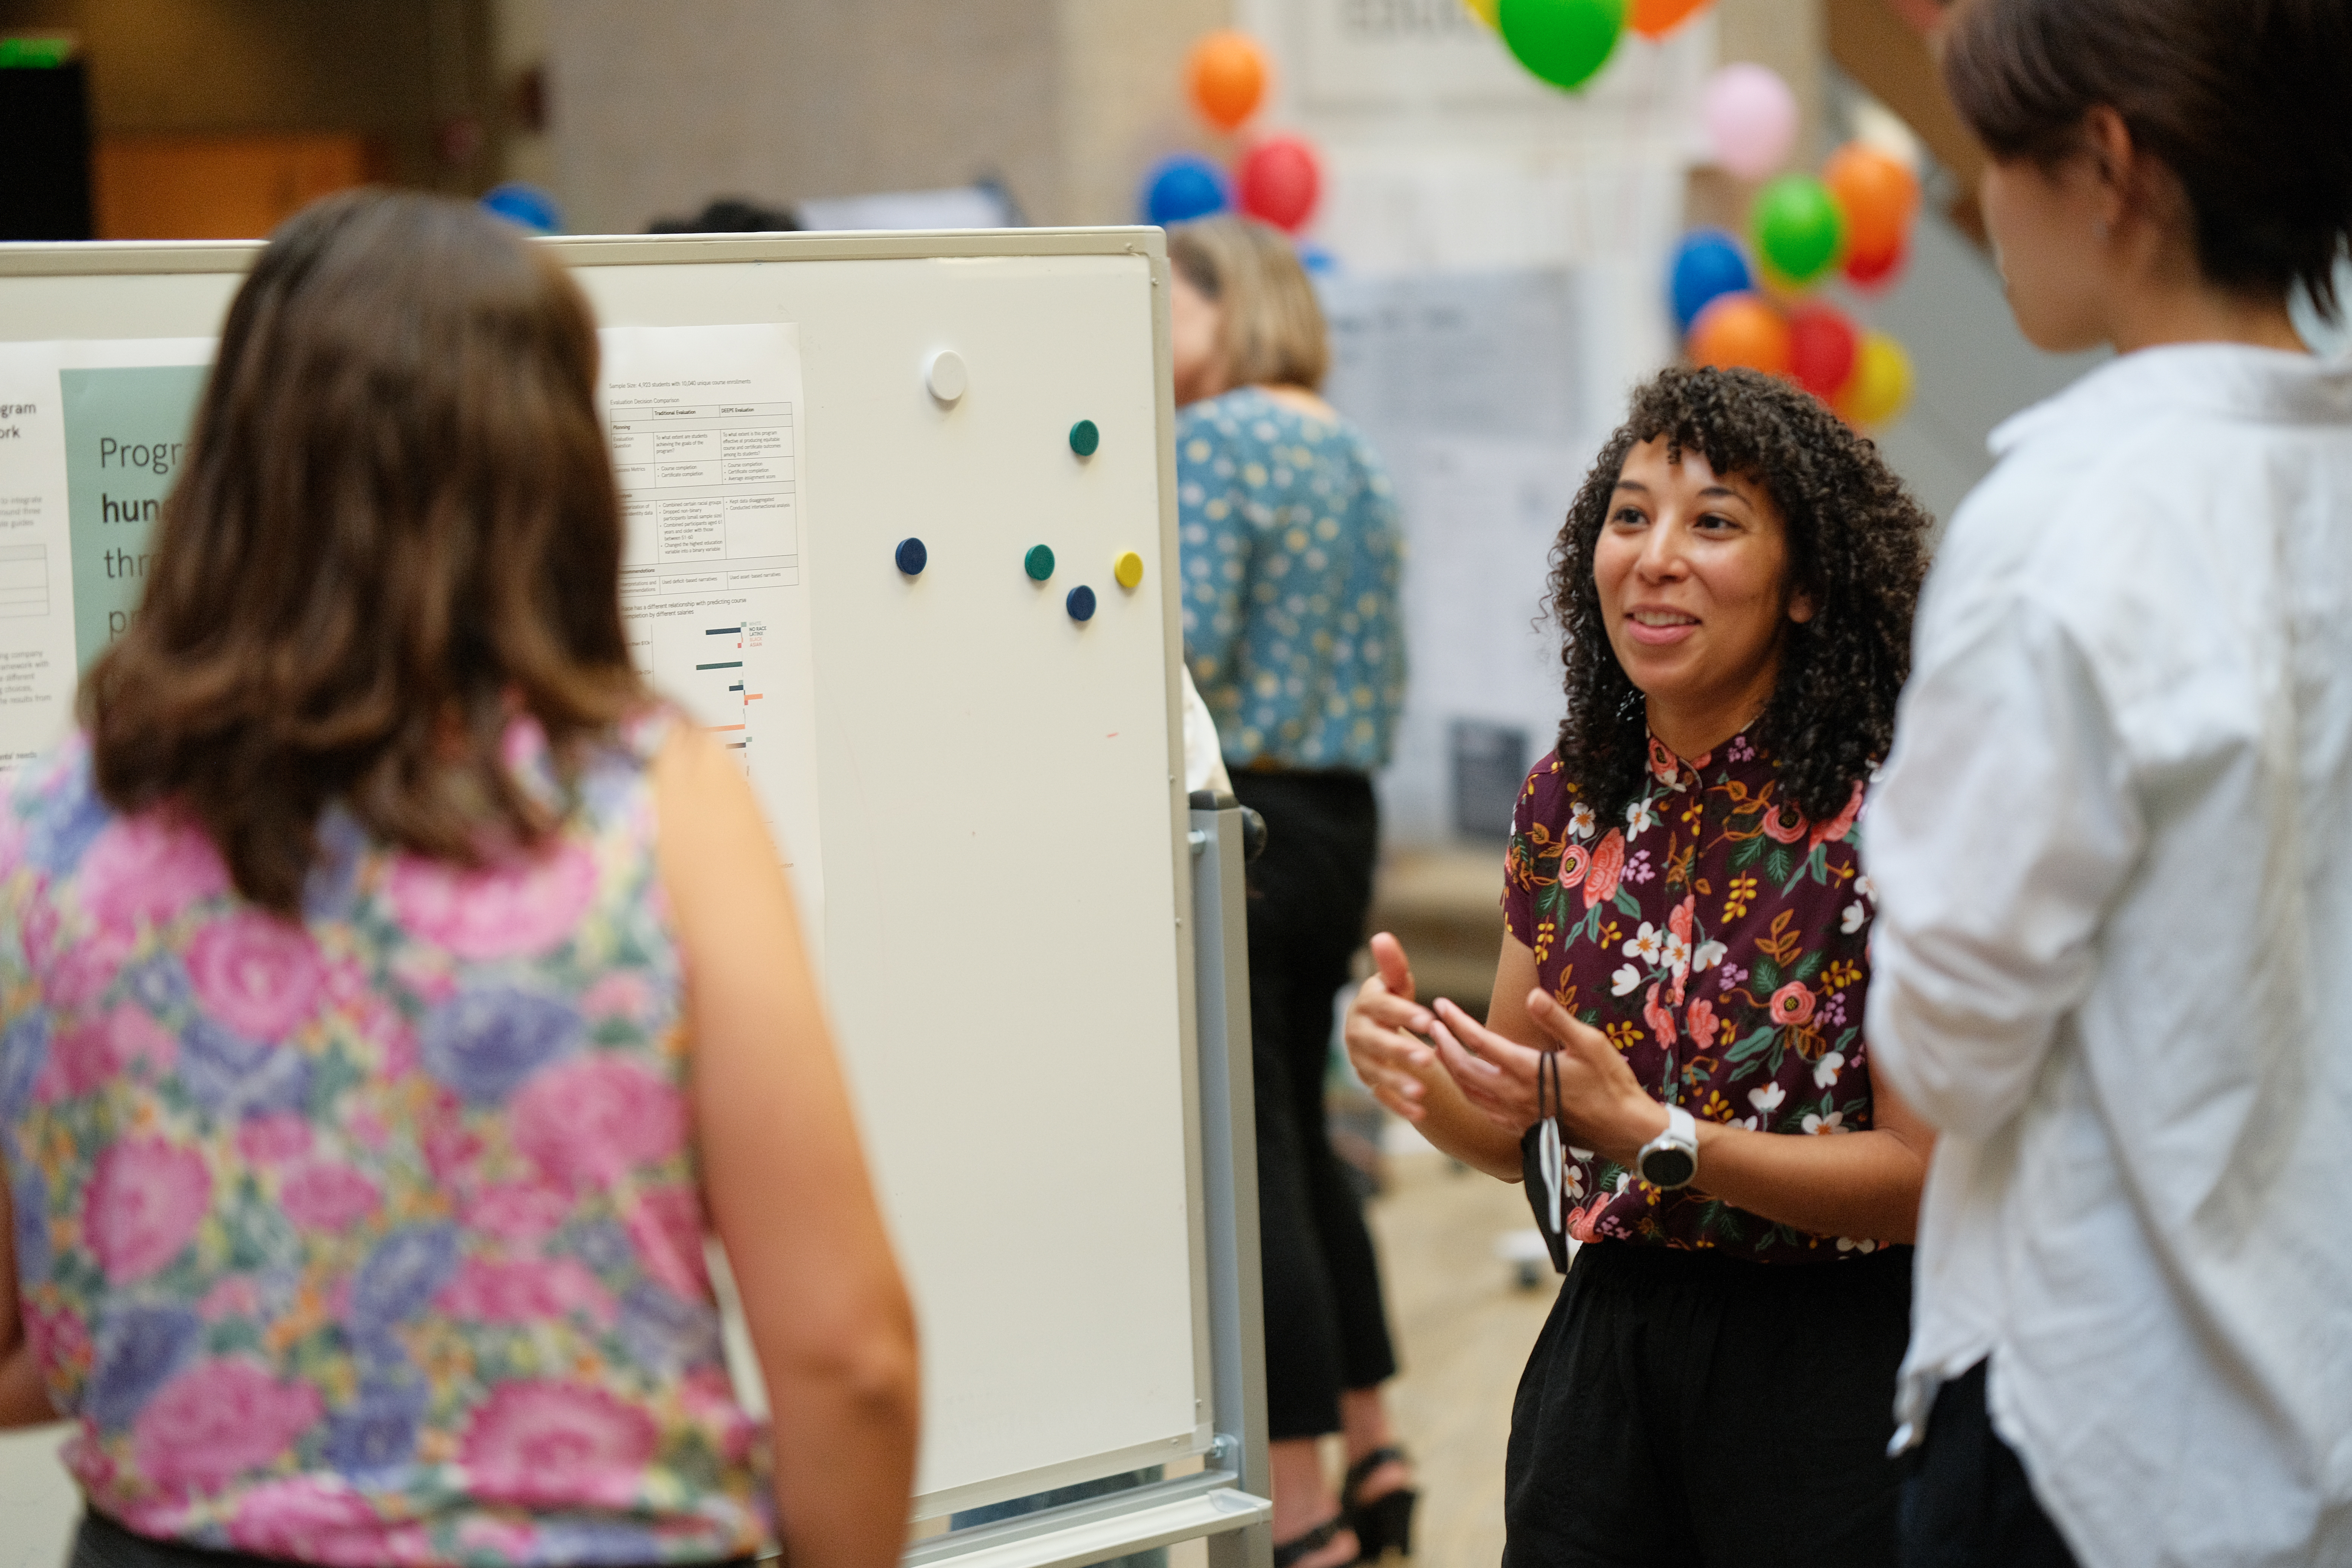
705, 429
92, 435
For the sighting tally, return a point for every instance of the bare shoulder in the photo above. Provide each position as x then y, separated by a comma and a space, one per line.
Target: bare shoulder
691, 774
704, 808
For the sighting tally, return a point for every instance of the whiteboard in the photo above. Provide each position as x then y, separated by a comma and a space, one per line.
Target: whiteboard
997, 791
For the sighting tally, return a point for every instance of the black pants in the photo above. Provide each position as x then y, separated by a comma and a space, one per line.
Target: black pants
1309, 895
102, 1543
1688, 1409
1968, 1503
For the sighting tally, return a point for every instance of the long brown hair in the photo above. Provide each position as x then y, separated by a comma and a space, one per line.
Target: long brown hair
396, 532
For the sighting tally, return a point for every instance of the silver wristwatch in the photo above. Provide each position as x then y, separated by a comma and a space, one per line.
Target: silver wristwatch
1671, 1159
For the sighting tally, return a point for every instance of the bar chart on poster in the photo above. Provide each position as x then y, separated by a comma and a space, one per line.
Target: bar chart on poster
705, 448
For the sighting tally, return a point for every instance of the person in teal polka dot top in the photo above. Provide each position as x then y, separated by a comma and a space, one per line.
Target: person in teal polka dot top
1291, 556
1291, 562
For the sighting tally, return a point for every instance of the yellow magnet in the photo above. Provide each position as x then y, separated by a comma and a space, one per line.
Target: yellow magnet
1127, 569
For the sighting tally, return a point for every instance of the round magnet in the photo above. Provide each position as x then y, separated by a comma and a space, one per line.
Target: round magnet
1081, 603
1038, 562
912, 557
1127, 569
945, 375
1085, 437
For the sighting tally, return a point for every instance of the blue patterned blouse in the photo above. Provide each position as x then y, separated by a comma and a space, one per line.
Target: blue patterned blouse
1292, 554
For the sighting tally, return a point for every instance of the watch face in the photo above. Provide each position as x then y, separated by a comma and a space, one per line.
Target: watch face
1668, 1167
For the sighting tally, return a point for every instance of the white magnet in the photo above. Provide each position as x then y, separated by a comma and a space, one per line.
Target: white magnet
945, 375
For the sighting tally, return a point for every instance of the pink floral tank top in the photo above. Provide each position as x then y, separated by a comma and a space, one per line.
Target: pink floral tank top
376, 1238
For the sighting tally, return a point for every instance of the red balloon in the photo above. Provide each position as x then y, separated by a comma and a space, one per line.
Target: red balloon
1279, 181
1822, 348
1878, 272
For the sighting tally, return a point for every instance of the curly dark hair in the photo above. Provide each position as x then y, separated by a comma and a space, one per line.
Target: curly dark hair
1857, 544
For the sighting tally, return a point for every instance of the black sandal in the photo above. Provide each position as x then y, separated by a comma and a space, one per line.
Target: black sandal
1286, 1553
1386, 1521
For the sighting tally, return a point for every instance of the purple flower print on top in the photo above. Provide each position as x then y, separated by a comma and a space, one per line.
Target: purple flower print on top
139, 1351
485, 1043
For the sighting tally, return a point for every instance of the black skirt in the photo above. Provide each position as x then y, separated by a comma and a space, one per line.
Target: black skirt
1687, 1408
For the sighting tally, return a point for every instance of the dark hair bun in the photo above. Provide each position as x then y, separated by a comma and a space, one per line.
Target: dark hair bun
2249, 102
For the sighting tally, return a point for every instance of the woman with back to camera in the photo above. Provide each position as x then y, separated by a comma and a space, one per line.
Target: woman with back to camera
1672, 1058
1291, 630
389, 1009
2114, 956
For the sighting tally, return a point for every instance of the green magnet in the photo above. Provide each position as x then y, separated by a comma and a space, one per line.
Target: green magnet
1038, 562
1085, 437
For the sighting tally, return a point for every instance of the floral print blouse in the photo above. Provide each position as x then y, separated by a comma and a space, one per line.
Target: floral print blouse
1292, 556
373, 1238
1722, 942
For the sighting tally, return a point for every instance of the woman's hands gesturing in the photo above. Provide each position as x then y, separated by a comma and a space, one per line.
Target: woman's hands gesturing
1381, 1029
1601, 1105
1472, 1090
1384, 1032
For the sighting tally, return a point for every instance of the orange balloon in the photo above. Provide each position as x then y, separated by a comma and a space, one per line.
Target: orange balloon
1741, 329
1878, 196
1226, 75
1657, 19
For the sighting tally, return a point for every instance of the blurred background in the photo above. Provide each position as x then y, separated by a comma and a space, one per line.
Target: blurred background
1496, 252
1508, 232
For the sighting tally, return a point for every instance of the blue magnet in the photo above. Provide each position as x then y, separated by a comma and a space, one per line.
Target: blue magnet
912, 557
1081, 603
1085, 437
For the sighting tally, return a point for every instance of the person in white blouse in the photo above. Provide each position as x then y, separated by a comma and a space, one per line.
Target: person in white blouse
2112, 846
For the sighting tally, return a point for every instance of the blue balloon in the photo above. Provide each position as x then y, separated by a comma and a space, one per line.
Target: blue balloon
1182, 188
525, 205
1709, 264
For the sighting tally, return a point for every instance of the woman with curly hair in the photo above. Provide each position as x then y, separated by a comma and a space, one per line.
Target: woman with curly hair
1672, 1058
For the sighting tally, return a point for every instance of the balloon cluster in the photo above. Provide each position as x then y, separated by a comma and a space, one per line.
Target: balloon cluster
1853, 218
1566, 42
1277, 178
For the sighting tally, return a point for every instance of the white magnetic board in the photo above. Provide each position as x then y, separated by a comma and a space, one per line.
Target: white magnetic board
999, 816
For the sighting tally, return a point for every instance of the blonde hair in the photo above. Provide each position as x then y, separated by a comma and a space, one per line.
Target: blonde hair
1273, 333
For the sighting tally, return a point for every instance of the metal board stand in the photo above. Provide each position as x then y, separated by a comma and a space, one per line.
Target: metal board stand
1226, 1501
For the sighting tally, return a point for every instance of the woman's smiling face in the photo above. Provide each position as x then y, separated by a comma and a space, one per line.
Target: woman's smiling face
1693, 572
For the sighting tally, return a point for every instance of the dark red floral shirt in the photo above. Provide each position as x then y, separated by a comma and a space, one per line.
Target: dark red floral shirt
1722, 942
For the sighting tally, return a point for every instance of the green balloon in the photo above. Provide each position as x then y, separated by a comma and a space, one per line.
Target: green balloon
1798, 227
1565, 42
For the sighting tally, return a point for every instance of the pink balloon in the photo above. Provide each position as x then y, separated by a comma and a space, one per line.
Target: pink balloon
1751, 119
